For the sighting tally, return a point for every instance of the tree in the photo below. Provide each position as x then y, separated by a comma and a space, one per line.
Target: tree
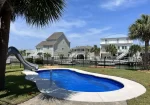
28, 53
86, 53
111, 49
23, 52
35, 12
40, 54
140, 29
47, 55
96, 50
134, 49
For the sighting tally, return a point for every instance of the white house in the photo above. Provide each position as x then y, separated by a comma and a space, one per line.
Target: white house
122, 44
81, 52
55, 45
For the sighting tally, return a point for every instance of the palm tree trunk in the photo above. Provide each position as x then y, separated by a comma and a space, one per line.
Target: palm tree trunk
4, 39
146, 57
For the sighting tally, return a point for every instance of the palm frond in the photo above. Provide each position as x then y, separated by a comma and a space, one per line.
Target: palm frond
140, 29
38, 12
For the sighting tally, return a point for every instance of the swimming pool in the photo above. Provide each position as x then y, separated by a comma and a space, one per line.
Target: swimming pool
78, 85
74, 81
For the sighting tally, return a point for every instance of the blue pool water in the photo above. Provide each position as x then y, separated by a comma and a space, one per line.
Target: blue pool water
75, 81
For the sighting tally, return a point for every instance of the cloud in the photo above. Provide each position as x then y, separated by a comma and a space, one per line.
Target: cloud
90, 37
93, 31
114, 35
70, 24
90, 32
74, 35
20, 28
115, 4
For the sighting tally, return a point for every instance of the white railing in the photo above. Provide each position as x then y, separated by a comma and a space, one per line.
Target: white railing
121, 55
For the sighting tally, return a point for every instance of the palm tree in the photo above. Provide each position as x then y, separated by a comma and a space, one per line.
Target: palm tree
96, 50
28, 54
35, 12
111, 49
47, 55
40, 54
140, 29
134, 49
23, 52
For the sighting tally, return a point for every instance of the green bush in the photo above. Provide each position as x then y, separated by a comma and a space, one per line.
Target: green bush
39, 61
29, 60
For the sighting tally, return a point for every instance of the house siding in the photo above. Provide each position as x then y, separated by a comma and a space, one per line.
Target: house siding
62, 48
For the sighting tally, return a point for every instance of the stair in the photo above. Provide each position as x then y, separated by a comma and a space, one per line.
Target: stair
121, 55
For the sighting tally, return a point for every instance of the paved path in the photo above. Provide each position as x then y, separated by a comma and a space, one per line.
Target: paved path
47, 100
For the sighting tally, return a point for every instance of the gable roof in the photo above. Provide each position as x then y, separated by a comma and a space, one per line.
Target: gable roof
54, 36
46, 43
52, 40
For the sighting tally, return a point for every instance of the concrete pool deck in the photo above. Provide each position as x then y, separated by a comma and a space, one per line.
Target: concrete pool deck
42, 99
129, 90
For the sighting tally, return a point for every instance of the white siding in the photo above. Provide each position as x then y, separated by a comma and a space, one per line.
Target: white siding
62, 48
122, 44
48, 50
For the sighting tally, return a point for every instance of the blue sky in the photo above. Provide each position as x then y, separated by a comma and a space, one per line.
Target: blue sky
84, 22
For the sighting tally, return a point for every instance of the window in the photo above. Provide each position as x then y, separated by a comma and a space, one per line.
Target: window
118, 47
125, 47
122, 47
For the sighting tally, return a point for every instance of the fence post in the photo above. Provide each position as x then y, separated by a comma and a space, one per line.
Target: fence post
42, 60
10, 63
72, 61
83, 62
47, 60
135, 63
20, 64
104, 61
119, 63
32, 60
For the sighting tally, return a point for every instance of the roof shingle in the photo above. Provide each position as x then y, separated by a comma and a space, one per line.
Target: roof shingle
54, 36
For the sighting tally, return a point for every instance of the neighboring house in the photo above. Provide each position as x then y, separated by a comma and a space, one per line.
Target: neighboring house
122, 44
80, 52
55, 44
31, 53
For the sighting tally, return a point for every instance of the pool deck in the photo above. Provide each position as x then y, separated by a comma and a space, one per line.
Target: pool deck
130, 90
42, 99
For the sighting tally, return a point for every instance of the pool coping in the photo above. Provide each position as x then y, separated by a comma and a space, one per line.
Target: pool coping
130, 90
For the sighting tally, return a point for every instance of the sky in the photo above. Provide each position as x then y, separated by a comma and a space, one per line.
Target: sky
83, 22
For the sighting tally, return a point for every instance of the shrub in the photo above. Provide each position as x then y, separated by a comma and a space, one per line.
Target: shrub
29, 60
39, 61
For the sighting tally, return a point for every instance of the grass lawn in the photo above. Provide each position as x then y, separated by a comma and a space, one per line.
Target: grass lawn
19, 90
140, 77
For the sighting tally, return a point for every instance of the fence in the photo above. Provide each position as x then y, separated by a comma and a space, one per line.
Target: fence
103, 63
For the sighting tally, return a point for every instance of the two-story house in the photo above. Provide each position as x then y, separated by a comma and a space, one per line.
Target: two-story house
80, 52
122, 44
55, 44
